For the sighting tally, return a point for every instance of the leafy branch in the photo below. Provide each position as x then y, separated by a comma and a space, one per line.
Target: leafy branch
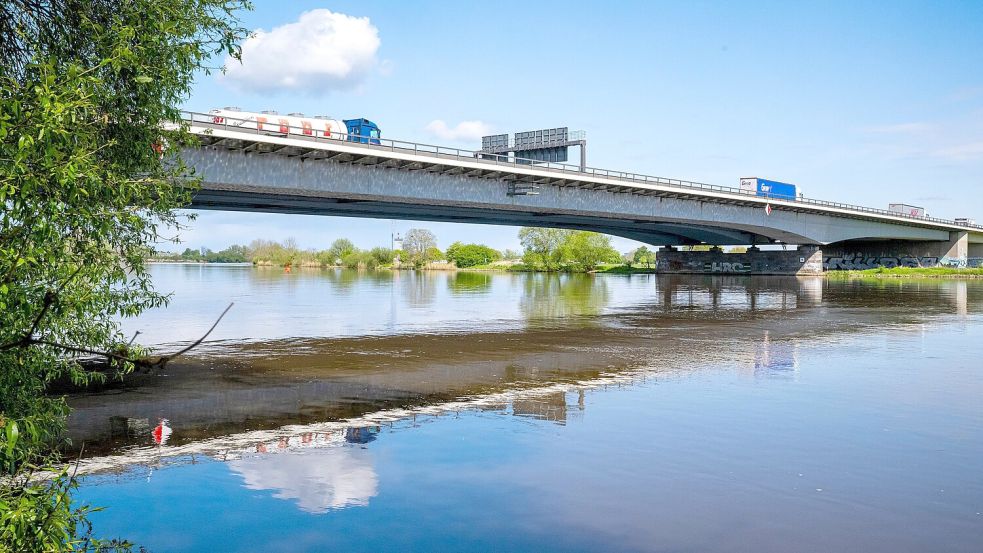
30, 337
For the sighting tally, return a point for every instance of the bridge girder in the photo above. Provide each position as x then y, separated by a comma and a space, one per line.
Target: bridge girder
437, 190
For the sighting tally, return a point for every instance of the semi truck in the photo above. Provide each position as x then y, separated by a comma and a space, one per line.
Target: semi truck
770, 188
270, 122
905, 209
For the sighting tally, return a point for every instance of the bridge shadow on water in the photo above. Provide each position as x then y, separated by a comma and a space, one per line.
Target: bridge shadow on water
570, 331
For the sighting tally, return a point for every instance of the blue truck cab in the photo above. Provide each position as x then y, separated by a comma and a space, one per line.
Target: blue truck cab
362, 130
769, 188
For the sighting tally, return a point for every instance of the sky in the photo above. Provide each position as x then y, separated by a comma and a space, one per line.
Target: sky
865, 103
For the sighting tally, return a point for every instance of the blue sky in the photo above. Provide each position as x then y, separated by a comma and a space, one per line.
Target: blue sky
859, 102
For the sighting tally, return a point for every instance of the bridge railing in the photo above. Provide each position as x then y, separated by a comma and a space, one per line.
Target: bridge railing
445, 152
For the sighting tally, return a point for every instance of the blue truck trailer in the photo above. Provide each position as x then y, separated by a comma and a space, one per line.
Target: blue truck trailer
769, 188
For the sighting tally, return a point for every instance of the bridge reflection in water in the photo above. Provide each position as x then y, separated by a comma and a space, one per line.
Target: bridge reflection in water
578, 333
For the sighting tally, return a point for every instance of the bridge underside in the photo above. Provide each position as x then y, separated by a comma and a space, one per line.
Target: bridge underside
654, 233
235, 177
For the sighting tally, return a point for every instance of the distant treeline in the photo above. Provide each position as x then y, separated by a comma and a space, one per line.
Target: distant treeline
287, 254
544, 249
419, 250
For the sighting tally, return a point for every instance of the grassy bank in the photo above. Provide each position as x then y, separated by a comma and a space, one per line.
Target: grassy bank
625, 270
909, 272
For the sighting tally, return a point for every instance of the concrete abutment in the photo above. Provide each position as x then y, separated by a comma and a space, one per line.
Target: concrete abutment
870, 254
805, 260
958, 251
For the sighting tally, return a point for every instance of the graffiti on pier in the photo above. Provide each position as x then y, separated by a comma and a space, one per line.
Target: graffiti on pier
858, 261
718, 267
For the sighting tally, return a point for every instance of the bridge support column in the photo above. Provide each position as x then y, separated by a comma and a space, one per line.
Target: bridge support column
974, 257
859, 255
806, 260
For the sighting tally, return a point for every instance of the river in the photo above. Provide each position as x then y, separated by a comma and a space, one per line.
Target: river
441, 411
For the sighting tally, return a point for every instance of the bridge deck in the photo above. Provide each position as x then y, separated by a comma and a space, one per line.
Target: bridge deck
409, 156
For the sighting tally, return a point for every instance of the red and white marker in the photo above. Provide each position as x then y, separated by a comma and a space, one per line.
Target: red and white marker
162, 432
767, 209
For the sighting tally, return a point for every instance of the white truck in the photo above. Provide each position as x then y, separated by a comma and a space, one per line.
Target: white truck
905, 209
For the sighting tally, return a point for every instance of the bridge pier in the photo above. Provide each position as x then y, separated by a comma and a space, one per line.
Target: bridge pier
805, 260
975, 255
957, 251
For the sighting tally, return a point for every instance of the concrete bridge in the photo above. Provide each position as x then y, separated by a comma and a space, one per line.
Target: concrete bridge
248, 170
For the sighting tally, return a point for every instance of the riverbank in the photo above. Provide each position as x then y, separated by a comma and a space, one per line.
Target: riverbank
882, 272
909, 272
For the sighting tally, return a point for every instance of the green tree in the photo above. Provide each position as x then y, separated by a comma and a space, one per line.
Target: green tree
340, 248
643, 256
628, 258
88, 96
260, 251
383, 256
232, 254
469, 255
543, 246
452, 250
352, 260
433, 254
589, 249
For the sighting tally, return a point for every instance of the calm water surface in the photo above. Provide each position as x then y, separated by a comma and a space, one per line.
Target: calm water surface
334, 410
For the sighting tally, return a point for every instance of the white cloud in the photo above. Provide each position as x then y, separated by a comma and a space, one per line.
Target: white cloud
465, 130
320, 52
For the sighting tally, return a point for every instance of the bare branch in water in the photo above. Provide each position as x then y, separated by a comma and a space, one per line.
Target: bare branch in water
145, 362
167, 358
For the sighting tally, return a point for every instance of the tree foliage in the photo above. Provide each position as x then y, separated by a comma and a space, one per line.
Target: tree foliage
342, 251
554, 249
469, 255
587, 250
233, 254
543, 246
285, 254
88, 143
643, 256
341, 248
383, 256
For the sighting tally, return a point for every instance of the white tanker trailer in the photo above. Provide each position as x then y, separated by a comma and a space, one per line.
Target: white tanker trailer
353, 130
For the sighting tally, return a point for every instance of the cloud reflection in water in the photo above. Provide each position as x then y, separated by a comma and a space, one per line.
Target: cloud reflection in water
333, 476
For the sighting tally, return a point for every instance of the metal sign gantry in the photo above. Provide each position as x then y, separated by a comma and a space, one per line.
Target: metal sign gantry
544, 145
